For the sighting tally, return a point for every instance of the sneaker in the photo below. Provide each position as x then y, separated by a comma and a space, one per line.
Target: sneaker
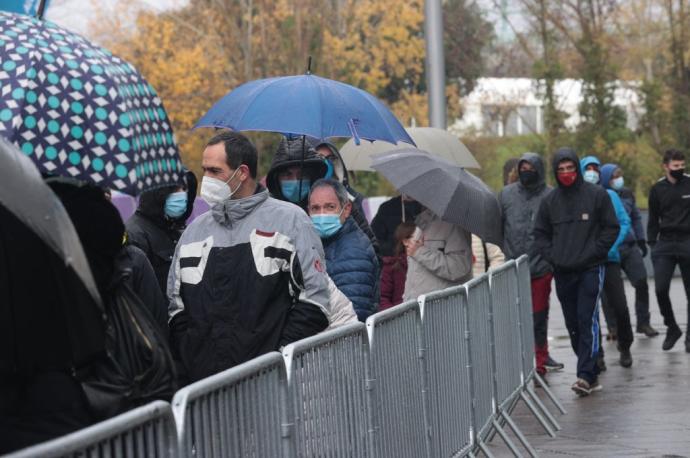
625, 357
601, 364
647, 330
596, 386
552, 365
672, 336
581, 387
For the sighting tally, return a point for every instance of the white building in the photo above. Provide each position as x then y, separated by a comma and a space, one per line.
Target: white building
513, 106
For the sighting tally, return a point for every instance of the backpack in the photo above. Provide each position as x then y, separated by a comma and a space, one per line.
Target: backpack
137, 367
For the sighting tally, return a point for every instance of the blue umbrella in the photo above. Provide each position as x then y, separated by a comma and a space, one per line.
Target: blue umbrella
306, 105
76, 110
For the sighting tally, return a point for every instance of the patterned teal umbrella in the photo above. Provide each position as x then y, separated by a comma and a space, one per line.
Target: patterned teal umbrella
77, 110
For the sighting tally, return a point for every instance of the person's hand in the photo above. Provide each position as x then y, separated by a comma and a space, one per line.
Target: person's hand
643, 247
412, 245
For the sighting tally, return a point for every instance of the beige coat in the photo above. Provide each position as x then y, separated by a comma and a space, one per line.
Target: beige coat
496, 257
444, 260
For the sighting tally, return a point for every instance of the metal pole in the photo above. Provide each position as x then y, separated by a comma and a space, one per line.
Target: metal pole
41, 9
435, 63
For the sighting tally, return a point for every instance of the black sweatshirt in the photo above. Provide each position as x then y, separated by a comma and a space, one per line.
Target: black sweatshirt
669, 210
575, 226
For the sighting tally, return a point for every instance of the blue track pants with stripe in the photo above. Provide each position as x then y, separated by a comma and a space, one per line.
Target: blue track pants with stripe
579, 294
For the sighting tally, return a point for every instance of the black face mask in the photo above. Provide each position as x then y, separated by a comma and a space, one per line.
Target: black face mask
528, 177
677, 174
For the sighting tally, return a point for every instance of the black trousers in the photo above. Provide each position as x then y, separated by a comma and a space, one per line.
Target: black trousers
666, 255
617, 305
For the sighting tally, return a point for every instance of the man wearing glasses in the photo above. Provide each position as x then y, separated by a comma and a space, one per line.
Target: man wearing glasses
575, 228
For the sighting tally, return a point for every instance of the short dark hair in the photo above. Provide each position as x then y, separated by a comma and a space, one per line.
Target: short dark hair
238, 150
673, 155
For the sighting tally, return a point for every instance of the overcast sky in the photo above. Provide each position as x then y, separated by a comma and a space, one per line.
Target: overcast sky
77, 15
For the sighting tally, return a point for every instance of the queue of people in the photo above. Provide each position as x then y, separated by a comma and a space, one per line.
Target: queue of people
267, 266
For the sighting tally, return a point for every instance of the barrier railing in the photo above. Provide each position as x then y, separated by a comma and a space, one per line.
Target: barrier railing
144, 432
397, 353
448, 366
434, 377
238, 412
330, 390
505, 306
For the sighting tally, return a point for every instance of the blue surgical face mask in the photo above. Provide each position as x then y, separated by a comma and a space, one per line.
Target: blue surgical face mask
176, 204
291, 190
617, 183
591, 176
327, 224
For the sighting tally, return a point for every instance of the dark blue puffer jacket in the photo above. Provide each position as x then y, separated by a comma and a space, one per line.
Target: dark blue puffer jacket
353, 266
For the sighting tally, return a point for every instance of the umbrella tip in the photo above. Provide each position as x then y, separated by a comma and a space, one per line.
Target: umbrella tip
309, 65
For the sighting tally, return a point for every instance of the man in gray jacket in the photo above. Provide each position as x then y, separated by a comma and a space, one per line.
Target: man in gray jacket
247, 277
519, 204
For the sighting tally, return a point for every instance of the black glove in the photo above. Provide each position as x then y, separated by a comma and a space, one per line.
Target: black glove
643, 247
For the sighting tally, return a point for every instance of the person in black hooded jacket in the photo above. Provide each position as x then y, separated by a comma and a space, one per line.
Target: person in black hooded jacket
159, 221
575, 228
295, 166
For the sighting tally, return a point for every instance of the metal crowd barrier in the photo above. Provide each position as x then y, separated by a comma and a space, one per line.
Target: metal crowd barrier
448, 366
397, 353
529, 371
481, 348
330, 388
429, 378
144, 432
238, 412
505, 307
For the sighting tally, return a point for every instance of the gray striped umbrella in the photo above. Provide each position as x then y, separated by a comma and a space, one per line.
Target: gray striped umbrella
451, 192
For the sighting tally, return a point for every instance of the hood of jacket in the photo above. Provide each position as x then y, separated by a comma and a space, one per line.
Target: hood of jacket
535, 161
229, 211
289, 153
606, 174
587, 160
152, 203
566, 154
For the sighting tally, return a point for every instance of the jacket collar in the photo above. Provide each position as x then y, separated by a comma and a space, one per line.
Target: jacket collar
232, 210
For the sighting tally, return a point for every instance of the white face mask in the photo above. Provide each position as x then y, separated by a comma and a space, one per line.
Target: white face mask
214, 191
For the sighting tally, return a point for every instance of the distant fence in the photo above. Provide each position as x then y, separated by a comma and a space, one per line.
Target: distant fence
428, 378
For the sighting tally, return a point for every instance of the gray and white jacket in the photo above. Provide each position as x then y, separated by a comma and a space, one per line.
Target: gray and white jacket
247, 278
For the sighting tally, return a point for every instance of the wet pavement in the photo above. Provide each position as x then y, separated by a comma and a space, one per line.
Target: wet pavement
643, 411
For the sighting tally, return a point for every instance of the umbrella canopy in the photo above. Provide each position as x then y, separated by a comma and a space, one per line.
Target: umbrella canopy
306, 105
31, 201
77, 110
437, 141
449, 191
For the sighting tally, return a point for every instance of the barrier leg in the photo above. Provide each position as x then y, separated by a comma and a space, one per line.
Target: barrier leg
501, 420
513, 448
520, 436
537, 415
550, 394
541, 405
484, 449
